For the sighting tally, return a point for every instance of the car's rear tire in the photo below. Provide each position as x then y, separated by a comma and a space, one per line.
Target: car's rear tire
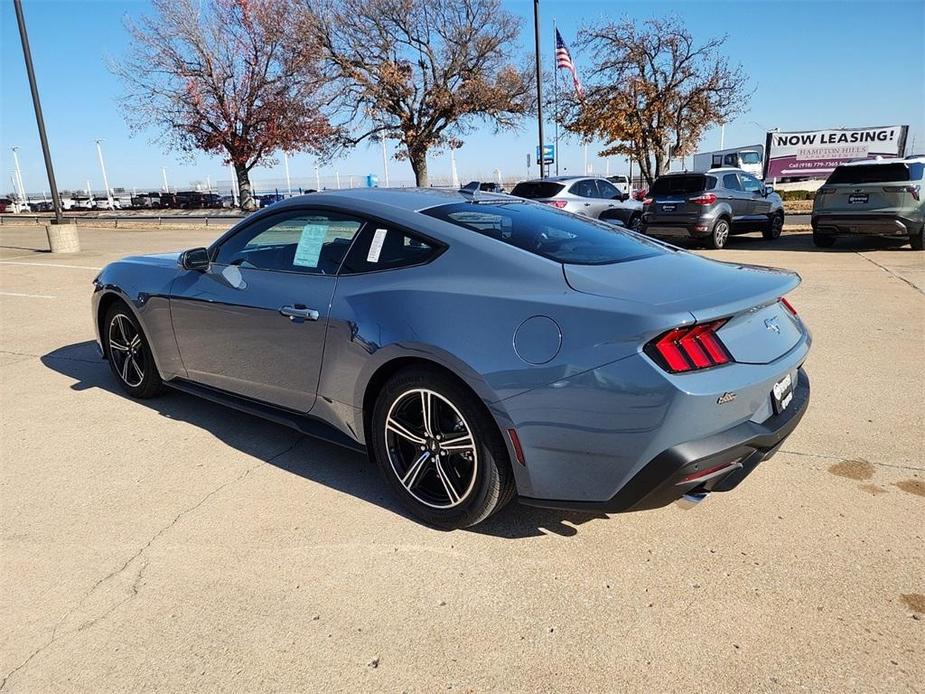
719, 234
775, 227
129, 353
446, 487
917, 241
823, 240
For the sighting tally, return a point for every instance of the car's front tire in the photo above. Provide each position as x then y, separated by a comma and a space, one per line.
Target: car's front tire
719, 234
775, 227
129, 353
439, 449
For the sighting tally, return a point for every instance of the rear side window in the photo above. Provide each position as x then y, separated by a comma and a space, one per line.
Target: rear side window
547, 232
537, 189
750, 157
877, 173
584, 189
669, 185
381, 247
731, 182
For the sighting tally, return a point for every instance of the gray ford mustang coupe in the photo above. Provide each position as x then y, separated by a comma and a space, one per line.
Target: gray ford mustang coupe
479, 347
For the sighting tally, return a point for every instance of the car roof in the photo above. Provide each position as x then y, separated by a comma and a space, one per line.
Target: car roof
915, 159
563, 179
410, 199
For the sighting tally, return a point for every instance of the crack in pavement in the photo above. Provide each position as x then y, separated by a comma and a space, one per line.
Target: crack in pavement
134, 587
890, 272
826, 456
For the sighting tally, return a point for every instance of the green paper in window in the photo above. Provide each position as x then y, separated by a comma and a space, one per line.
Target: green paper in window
309, 249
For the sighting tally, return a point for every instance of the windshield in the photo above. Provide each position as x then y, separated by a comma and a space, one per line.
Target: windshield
537, 189
749, 157
668, 185
876, 173
545, 231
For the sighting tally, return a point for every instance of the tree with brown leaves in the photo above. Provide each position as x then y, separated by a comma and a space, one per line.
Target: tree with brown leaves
651, 88
423, 71
227, 77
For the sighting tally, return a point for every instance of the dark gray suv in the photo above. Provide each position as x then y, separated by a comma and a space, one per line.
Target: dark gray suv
711, 206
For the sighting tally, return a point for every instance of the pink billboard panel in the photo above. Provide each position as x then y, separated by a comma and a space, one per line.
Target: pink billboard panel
816, 153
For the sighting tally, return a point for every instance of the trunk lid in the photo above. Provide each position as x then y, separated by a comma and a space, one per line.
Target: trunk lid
759, 329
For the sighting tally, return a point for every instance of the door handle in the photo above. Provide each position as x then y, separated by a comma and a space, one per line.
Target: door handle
299, 313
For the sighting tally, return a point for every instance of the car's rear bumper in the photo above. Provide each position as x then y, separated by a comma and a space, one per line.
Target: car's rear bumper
733, 454
872, 224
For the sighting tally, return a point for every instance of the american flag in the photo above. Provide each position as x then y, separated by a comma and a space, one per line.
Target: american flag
564, 60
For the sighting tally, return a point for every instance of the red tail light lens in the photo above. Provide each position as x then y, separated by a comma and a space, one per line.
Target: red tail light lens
705, 199
689, 349
912, 190
788, 306
558, 204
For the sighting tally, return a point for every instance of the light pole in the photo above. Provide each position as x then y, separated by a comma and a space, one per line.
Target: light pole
18, 179
539, 85
288, 182
99, 151
317, 178
454, 176
385, 161
164, 175
234, 187
722, 135
39, 119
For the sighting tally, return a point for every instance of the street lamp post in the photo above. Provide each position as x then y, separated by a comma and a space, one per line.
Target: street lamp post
539, 85
164, 174
18, 177
39, 119
385, 161
288, 182
99, 151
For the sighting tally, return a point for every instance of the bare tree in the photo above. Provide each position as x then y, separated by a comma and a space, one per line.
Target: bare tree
423, 71
229, 77
651, 88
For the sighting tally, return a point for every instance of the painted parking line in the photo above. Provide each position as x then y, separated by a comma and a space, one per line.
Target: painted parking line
74, 267
28, 296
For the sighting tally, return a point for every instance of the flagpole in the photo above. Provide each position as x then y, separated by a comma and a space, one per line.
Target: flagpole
555, 97
539, 84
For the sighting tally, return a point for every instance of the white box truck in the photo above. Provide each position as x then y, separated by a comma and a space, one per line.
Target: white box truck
750, 159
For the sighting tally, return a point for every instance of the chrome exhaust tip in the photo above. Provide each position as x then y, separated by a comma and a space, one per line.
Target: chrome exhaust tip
688, 501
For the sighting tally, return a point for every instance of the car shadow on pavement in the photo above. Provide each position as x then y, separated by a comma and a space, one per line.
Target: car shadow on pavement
798, 241
333, 466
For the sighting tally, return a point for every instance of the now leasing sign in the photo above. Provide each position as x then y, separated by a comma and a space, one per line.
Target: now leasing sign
816, 153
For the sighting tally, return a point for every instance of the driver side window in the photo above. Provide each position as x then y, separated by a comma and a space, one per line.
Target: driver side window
751, 184
302, 241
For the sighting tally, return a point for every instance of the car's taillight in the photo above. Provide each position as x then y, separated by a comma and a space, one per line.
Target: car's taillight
558, 204
788, 306
705, 199
647, 201
912, 190
689, 349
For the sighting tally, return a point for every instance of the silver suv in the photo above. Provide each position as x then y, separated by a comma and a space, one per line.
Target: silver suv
591, 196
883, 198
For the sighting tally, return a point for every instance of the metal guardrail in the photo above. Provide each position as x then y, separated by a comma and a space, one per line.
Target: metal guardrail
88, 220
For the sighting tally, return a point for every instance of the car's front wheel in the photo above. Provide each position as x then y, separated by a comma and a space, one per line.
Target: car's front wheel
775, 227
129, 354
439, 449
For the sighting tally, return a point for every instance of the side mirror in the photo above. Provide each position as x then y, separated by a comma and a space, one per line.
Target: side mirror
768, 189
195, 259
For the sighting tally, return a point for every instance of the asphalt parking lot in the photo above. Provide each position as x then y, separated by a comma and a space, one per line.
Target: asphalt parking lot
174, 545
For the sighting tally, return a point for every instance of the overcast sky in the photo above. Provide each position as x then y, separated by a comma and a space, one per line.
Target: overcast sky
812, 65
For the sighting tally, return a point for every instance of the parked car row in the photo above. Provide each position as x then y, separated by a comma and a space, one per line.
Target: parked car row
184, 200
